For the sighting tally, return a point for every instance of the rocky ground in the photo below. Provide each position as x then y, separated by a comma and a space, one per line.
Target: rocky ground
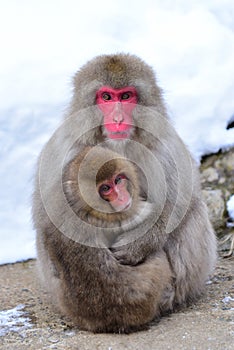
29, 321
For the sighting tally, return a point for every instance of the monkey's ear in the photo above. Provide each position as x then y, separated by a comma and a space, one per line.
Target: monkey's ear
142, 194
75, 155
84, 92
148, 94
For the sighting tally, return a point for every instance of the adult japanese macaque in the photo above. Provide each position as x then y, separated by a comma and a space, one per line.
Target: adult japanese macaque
115, 267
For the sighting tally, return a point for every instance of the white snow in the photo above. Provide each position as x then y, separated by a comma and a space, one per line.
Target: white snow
14, 320
227, 299
230, 207
190, 44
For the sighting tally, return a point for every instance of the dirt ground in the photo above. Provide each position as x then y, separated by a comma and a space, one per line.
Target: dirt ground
206, 325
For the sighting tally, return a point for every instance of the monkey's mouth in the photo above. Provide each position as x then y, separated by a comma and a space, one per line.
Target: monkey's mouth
124, 207
128, 205
118, 135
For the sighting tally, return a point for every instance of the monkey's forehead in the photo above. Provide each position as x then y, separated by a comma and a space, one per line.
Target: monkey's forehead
116, 70
114, 167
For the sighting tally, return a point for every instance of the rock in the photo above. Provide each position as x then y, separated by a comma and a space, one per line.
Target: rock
209, 175
217, 180
216, 207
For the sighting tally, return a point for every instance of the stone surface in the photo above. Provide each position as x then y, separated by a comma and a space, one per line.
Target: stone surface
209, 175
216, 206
217, 179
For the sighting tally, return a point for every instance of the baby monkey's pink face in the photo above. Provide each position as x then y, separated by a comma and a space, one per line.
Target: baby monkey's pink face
115, 191
117, 106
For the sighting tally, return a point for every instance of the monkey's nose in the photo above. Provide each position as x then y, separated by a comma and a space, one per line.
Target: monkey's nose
118, 113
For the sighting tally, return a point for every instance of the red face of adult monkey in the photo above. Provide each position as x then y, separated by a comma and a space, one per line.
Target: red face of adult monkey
117, 106
115, 271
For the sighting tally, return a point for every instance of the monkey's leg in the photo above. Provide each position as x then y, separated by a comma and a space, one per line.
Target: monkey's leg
117, 298
191, 251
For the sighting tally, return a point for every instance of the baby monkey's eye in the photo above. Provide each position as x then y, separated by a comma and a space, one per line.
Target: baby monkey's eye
106, 96
119, 179
104, 189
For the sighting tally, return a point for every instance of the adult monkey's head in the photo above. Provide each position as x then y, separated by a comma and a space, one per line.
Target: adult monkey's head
116, 84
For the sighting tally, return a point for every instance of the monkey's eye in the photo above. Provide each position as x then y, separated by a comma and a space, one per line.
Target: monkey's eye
106, 96
126, 96
104, 189
119, 179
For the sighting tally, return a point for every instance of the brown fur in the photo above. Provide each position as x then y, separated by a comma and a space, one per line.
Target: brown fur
118, 281
98, 164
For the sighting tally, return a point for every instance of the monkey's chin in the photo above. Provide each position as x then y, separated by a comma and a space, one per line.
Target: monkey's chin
125, 207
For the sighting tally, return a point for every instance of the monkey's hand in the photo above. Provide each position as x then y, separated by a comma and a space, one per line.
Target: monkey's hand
129, 250
128, 254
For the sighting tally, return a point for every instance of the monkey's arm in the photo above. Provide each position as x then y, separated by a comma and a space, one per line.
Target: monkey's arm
134, 250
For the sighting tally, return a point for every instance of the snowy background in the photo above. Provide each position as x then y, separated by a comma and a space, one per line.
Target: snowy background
190, 44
